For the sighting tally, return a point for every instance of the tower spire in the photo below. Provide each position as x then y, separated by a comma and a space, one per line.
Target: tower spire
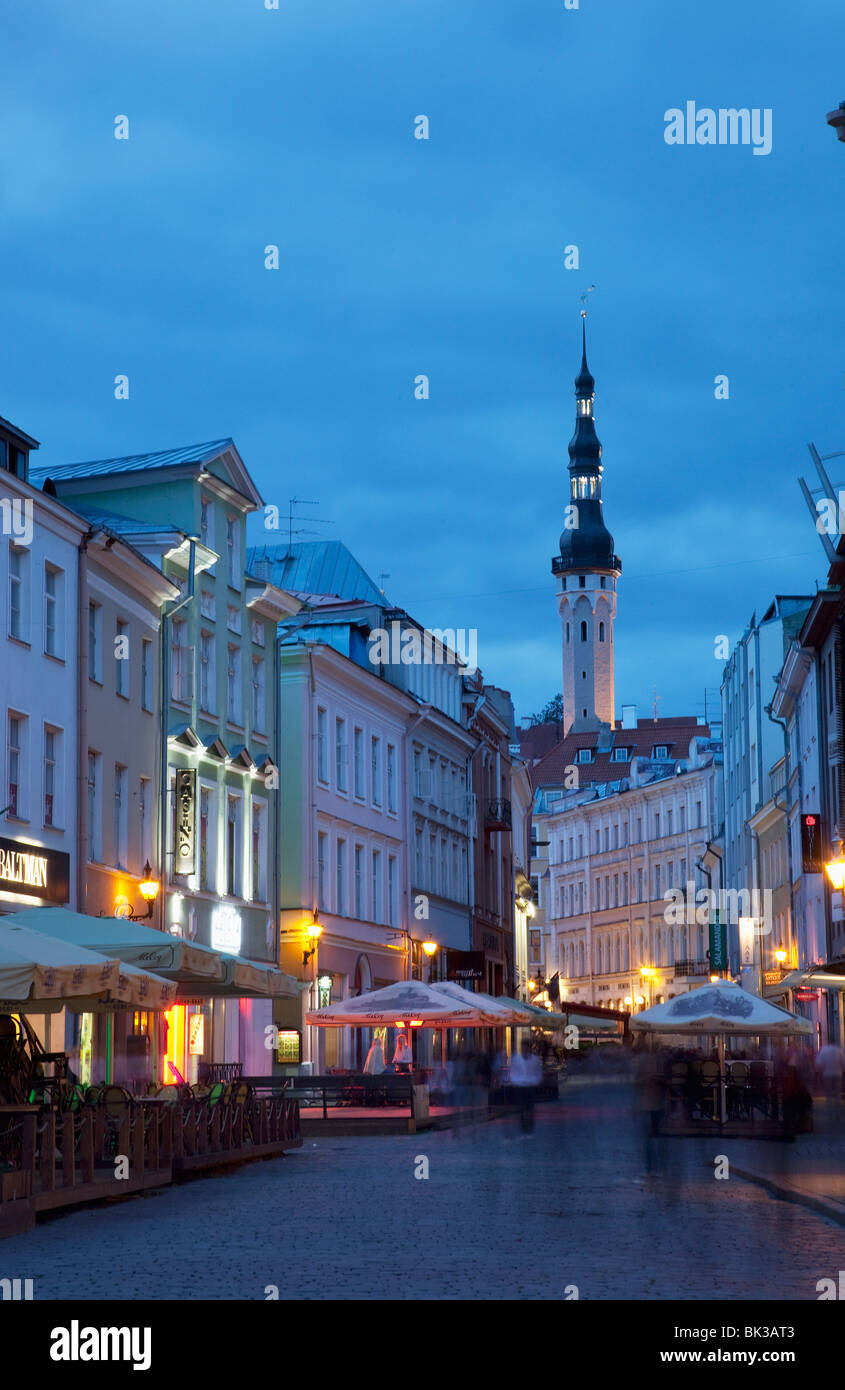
587, 570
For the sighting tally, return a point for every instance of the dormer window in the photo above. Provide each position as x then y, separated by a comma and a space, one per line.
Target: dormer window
620, 755
660, 750
585, 755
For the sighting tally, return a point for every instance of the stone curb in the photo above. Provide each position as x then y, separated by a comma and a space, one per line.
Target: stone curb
825, 1206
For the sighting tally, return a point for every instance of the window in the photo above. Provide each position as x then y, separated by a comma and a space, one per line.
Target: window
340, 754
639, 885
94, 808
19, 592
145, 825
359, 882
340, 877
625, 890
14, 763
601, 632
620, 754
258, 702
391, 779
582, 581
567, 632
259, 852
683, 815
597, 840
120, 816
95, 629
322, 850
657, 880
208, 675
53, 594
418, 775
391, 890
208, 607
207, 522
661, 750
698, 821
583, 632
233, 846
257, 632
375, 769
121, 659
206, 832
146, 673
322, 745
657, 825
233, 558
234, 711
585, 755
376, 885
669, 820
51, 780
603, 582
358, 762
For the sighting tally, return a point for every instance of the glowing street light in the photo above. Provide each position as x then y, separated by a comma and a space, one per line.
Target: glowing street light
835, 867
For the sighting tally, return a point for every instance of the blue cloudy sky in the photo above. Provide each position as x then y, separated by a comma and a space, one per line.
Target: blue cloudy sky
445, 257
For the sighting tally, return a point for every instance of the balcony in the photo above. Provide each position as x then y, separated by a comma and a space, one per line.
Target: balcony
497, 815
690, 967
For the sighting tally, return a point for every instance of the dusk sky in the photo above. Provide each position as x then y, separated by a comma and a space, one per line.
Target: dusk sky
445, 257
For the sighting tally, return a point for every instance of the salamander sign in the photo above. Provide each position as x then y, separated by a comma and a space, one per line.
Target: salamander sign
34, 872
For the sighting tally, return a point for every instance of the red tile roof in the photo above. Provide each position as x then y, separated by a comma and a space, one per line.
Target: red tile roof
673, 732
538, 740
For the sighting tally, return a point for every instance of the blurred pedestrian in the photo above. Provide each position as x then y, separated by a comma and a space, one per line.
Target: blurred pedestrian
402, 1056
830, 1064
375, 1064
526, 1076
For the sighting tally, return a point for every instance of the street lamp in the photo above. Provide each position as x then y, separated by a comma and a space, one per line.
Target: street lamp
313, 932
649, 973
835, 867
780, 956
148, 888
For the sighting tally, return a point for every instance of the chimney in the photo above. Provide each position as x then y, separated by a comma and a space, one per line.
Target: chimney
629, 716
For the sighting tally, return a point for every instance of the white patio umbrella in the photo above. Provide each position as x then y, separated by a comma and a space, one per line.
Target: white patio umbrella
399, 1005
492, 1012
130, 942
723, 1008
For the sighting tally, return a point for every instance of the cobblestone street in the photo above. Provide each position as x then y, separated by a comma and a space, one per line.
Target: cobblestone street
499, 1217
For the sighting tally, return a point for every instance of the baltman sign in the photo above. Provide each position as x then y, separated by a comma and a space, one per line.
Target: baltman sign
34, 871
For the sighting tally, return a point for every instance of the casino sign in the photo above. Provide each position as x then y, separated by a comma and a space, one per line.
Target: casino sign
34, 872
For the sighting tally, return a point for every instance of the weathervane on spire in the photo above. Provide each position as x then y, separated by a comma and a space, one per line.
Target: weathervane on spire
584, 300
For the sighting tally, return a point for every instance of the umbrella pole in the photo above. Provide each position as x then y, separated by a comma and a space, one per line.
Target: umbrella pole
722, 1103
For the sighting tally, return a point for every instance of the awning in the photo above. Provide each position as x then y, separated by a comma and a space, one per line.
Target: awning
198, 970
43, 974
811, 979
530, 1015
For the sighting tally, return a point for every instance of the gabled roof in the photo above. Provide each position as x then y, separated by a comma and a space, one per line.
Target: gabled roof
675, 733
136, 463
314, 567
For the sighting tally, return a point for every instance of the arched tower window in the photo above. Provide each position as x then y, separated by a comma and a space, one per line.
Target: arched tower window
583, 632
601, 632
567, 632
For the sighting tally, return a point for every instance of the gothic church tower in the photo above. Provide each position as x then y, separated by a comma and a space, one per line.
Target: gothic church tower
587, 571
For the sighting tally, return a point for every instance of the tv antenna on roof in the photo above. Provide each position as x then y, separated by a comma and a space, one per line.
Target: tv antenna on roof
382, 575
303, 530
584, 301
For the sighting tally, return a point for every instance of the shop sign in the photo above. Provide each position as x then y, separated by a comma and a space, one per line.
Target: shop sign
34, 871
812, 843
464, 965
746, 941
196, 1034
226, 930
186, 807
806, 996
718, 944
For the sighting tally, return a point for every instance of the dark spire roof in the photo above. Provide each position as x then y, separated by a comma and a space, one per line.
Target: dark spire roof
589, 545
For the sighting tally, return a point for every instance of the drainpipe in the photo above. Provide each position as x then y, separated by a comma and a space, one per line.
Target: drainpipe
417, 719
168, 612
825, 806
82, 721
793, 925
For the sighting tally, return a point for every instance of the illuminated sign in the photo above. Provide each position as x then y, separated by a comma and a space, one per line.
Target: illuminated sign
226, 930
812, 844
186, 804
196, 1034
746, 941
34, 872
289, 1045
